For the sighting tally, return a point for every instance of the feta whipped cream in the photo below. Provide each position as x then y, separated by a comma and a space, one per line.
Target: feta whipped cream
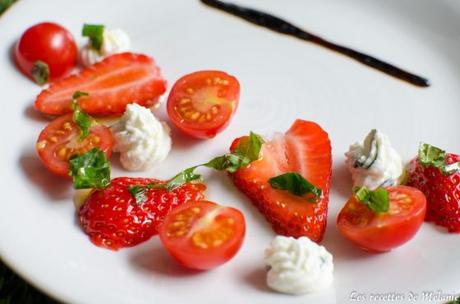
141, 139
374, 162
114, 41
298, 266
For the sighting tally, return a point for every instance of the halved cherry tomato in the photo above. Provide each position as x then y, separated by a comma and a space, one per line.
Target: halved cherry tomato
49, 43
202, 104
60, 140
383, 232
203, 235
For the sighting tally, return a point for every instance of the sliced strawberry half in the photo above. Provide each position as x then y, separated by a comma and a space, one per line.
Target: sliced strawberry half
305, 148
112, 84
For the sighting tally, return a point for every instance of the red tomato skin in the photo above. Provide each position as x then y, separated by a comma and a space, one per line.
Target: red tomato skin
206, 263
50, 43
203, 131
48, 154
387, 237
197, 259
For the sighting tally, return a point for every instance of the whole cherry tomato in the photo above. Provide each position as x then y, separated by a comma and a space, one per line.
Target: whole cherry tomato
46, 51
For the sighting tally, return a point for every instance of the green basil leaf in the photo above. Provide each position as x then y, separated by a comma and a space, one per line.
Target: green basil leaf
247, 151
294, 183
218, 163
188, 175
95, 33
79, 94
230, 162
250, 146
378, 200
82, 119
361, 193
236, 161
90, 170
138, 192
183, 177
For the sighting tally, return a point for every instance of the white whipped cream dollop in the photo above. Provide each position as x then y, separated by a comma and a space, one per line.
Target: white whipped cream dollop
298, 266
141, 139
114, 41
374, 162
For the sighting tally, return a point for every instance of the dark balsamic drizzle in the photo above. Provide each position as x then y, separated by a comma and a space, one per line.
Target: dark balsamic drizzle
281, 26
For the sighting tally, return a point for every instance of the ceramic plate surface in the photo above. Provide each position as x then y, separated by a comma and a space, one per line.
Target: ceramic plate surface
282, 79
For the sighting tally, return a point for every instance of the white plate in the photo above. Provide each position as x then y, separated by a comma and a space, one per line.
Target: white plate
282, 79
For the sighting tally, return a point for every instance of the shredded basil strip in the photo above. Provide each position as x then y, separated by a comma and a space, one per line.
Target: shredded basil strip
82, 119
245, 152
138, 191
95, 33
188, 175
90, 169
378, 200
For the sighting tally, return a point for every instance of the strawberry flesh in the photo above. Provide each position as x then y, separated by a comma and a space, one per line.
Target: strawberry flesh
112, 84
112, 218
305, 148
442, 192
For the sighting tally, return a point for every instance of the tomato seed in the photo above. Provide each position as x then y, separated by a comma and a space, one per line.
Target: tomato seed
41, 144
217, 243
184, 101
180, 217
178, 224
62, 153
95, 139
67, 126
195, 115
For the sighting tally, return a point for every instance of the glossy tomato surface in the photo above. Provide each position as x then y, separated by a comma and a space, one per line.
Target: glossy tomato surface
203, 235
50, 43
385, 231
201, 104
60, 140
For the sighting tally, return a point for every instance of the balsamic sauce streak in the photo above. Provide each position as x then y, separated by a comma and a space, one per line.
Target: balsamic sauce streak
281, 26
